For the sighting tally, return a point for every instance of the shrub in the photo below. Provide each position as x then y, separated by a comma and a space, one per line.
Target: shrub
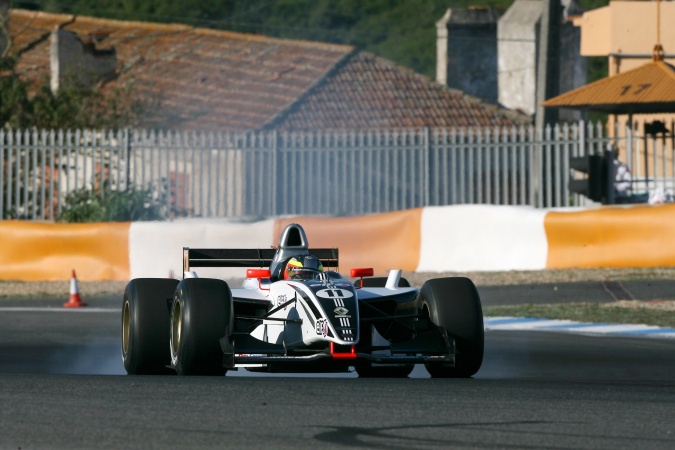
84, 205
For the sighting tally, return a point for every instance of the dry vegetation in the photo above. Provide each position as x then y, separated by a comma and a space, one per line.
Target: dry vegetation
552, 276
61, 288
654, 312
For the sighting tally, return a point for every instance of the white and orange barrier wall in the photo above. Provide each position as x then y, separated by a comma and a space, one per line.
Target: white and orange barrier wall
434, 239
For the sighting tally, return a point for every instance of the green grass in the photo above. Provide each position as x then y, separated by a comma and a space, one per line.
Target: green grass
586, 312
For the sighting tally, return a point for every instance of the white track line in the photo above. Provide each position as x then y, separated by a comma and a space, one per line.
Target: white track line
84, 309
491, 323
534, 324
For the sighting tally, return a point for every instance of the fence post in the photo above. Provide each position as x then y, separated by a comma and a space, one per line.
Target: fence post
25, 143
427, 167
55, 200
537, 162
275, 172
126, 148
2, 174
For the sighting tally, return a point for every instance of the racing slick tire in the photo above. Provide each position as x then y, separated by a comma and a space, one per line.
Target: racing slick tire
145, 326
201, 314
454, 304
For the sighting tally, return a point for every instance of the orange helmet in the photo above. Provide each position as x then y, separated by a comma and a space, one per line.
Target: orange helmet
302, 267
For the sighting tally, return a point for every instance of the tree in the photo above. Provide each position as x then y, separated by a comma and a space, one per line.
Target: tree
70, 107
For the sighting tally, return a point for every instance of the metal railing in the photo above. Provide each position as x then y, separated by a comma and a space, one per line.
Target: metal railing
267, 173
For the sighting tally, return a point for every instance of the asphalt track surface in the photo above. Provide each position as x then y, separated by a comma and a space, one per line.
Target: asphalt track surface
62, 385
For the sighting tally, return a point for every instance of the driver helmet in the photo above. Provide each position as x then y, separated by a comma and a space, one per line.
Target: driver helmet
303, 267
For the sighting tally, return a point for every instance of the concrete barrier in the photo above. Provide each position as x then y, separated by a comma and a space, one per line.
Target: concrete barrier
156, 248
482, 238
32, 251
635, 236
381, 241
435, 239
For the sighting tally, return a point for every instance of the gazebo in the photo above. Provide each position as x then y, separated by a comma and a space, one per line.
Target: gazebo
647, 89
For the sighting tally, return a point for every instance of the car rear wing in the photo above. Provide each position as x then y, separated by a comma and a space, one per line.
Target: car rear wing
246, 257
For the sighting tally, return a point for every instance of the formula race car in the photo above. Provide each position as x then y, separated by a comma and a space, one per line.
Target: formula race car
295, 313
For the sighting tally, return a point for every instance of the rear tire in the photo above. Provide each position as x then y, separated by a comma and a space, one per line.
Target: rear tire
454, 304
201, 314
145, 326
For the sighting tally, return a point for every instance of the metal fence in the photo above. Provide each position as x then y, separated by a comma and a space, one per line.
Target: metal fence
257, 174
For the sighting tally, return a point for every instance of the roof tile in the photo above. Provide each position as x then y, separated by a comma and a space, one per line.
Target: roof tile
370, 92
206, 79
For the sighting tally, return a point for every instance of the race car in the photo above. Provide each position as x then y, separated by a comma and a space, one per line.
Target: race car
295, 313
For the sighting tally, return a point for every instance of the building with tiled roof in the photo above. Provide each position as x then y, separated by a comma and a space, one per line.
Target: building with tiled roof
369, 91
203, 79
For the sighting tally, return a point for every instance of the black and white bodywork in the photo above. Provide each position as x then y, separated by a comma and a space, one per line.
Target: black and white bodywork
317, 322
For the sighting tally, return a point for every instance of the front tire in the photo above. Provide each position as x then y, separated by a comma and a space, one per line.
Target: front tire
145, 326
454, 304
201, 314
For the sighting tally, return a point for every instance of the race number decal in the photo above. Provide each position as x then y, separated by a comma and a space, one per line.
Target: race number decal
335, 293
322, 327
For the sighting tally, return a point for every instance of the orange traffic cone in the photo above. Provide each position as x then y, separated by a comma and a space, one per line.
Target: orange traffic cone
75, 300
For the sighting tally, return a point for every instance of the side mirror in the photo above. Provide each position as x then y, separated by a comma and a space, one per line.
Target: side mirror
258, 273
361, 272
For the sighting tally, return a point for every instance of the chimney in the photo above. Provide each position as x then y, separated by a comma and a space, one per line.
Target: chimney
466, 51
77, 63
442, 48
